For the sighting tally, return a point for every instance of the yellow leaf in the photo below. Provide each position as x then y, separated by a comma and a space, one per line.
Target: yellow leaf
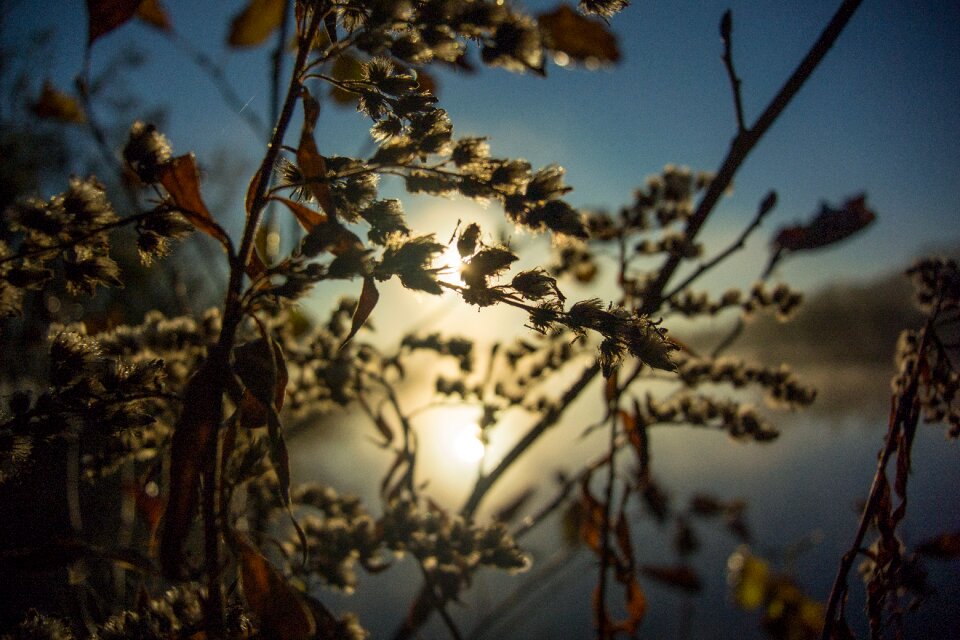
54, 104
153, 13
582, 39
255, 23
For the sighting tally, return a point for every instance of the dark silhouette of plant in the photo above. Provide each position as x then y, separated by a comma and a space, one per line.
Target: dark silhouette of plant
195, 412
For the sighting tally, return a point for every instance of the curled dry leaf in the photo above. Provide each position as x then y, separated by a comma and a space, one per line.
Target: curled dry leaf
829, 226
255, 23
107, 15
583, 39
312, 164
54, 104
678, 576
281, 609
368, 300
153, 13
181, 178
193, 445
942, 547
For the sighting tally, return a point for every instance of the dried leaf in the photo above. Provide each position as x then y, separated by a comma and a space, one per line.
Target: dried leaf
181, 178
829, 226
261, 367
679, 576
312, 164
281, 609
54, 104
636, 607
942, 547
368, 300
192, 447
345, 67
592, 515
107, 15
583, 39
307, 217
610, 387
150, 508
255, 23
153, 13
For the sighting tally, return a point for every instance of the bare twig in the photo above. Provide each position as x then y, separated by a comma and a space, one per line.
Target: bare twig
765, 207
605, 525
904, 415
726, 29
744, 142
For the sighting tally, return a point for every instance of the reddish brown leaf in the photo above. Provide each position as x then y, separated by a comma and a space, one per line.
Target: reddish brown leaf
255, 23
610, 387
829, 226
591, 521
153, 13
307, 217
636, 602
54, 104
150, 508
192, 447
679, 576
251, 192
281, 609
622, 531
312, 164
181, 178
368, 300
107, 15
942, 547
636, 432
583, 39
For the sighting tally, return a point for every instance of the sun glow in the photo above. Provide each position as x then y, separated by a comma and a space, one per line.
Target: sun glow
449, 262
466, 443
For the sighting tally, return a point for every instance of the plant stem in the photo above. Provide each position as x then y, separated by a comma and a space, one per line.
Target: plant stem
903, 417
744, 142
605, 525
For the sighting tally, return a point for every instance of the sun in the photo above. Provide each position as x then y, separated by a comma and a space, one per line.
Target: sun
450, 262
466, 443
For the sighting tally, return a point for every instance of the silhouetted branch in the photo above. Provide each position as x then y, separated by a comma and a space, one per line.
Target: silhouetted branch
726, 29
744, 142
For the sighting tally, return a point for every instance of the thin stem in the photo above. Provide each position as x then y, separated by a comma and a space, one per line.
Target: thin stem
738, 244
550, 417
903, 414
605, 525
726, 30
438, 603
233, 306
744, 142
214, 607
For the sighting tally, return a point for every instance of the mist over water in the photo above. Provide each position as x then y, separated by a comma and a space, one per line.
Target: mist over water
802, 490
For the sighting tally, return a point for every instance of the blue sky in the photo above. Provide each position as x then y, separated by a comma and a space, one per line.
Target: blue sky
880, 115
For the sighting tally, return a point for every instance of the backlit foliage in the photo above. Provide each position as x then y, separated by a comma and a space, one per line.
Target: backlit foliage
194, 414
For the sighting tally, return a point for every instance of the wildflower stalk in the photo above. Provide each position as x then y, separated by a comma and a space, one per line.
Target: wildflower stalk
904, 416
